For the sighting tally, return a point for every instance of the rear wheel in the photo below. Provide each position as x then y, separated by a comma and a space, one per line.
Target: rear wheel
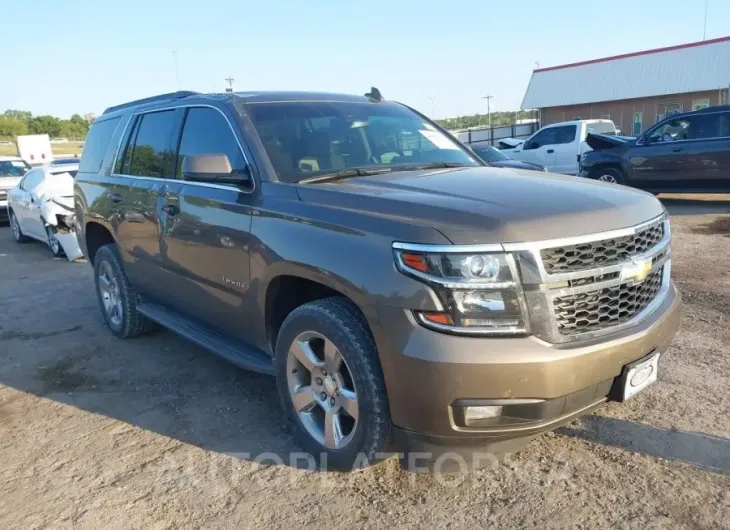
331, 384
117, 298
609, 174
15, 227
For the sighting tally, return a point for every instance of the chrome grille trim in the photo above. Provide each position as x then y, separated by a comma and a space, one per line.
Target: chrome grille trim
541, 287
587, 256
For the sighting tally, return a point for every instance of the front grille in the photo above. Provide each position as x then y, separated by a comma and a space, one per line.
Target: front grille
603, 308
601, 253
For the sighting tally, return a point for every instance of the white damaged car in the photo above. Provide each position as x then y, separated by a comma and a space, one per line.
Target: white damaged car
41, 207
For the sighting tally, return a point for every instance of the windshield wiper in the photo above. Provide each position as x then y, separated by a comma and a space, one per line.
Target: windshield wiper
430, 165
345, 174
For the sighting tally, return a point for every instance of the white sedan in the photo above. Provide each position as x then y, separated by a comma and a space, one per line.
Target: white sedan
41, 207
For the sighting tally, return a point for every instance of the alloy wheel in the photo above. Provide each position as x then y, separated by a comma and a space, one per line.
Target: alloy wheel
15, 227
53, 241
608, 178
322, 390
110, 296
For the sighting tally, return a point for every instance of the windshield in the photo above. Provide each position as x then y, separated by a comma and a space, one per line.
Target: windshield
491, 154
13, 168
602, 127
305, 139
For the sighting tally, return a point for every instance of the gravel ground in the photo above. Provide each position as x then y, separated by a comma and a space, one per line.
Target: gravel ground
156, 433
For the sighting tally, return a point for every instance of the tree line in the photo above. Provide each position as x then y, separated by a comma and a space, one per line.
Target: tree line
481, 120
19, 122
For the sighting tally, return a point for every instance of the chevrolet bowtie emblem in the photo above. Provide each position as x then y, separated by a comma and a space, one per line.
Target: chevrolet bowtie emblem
636, 270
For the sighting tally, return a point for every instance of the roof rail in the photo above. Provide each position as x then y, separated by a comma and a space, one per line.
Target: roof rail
162, 97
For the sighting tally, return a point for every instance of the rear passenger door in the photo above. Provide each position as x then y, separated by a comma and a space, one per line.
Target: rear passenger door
147, 168
708, 152
205, 236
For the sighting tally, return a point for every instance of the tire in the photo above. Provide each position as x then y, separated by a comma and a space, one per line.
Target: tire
53, 244
15, 228
364, 427
608, 174
117, 299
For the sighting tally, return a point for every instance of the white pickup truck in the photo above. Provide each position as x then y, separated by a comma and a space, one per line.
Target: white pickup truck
558, 146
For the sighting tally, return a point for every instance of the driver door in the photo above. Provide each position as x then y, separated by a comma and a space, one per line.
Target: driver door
29, 217
205, 230
539, 149
660, 160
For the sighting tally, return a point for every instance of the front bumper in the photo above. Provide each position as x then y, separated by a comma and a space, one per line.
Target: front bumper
430, 376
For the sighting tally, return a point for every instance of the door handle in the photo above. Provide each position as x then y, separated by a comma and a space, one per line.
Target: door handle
550, 151
171, 209
115, 197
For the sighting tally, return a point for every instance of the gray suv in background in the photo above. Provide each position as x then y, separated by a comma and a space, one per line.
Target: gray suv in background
405, 295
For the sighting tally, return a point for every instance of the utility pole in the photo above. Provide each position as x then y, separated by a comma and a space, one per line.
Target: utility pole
433, 106
230, 81
704, 30
489, 110
177, 71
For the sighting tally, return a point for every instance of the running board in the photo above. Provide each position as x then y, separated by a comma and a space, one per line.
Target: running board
234, 351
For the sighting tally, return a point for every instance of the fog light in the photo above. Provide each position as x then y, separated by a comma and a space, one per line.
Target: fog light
472, 414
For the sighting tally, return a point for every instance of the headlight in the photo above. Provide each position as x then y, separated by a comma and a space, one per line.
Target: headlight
582, 159
480, 291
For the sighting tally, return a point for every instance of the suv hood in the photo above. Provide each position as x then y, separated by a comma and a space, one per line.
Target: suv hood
490, 205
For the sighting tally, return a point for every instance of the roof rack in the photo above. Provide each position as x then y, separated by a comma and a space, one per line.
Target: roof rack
162, 97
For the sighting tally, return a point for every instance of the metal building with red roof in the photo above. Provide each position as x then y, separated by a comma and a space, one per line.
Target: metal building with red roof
635, 90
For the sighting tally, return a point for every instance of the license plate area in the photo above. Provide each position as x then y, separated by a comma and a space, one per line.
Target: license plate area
636, 376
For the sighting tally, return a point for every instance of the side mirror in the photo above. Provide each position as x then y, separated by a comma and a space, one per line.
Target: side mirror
214, 168
528, 145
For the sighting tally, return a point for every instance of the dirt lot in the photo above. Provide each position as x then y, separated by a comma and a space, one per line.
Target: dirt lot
156, 433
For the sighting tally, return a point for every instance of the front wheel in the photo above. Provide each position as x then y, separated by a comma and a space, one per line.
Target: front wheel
331, 384
53, 243
610, 175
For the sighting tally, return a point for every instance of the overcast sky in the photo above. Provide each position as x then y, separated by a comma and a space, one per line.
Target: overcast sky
82, 56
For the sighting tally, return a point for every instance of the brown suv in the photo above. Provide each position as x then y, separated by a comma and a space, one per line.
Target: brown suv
398, 288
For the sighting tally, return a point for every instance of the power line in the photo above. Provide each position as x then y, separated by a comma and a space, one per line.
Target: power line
489, 109
230, 81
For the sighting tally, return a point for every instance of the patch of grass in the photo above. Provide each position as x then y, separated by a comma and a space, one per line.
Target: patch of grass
70, 148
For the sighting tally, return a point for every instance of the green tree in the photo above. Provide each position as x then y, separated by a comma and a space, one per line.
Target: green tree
45, 125
12, 127
22, 115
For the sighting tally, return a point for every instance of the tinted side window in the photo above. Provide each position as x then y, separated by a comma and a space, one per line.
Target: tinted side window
206, 132
565, 134
151, 154
97, 142
544, 137
704, 126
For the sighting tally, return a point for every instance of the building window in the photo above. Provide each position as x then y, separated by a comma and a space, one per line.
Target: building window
698, 104
638, 118
605, 116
